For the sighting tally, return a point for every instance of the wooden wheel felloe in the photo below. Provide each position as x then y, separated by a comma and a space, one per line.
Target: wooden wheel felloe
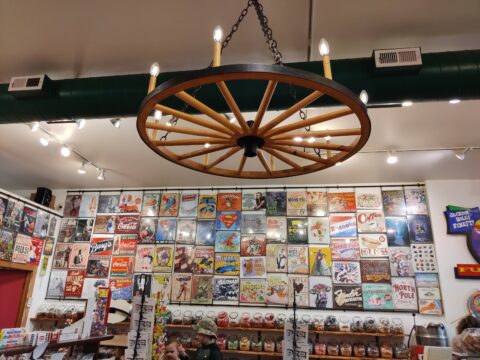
254, 147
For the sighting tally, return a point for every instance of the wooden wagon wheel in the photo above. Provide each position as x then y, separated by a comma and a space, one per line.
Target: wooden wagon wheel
213, 134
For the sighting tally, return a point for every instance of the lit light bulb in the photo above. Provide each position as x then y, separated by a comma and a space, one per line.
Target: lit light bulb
364, 97
157, 114
44, 141
232, 120
65, 151
217, 34
297, 139
82, 170
323, 47
169, 123
407, 103
328, 138
454, 101
338, 163
81, 123
155, 69
392, 157
311, 139
34, 126
207, 145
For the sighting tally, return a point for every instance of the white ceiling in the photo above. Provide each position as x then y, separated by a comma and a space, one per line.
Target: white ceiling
67, 39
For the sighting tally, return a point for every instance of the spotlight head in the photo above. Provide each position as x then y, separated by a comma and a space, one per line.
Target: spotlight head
44, 141
364, 97
101, 174
82, 169
461, 155
115, 122
407, 103
34, 126
392, 157
454, 101
65, 151
80, 123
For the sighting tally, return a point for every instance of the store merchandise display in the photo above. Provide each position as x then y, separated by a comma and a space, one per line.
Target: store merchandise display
353, 248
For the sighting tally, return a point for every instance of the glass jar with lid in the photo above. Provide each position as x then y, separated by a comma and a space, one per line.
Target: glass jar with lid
234, 319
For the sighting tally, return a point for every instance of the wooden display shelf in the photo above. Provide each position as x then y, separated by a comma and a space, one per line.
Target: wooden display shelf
312, 356
117, 341
55, 345
242, 352
228, 328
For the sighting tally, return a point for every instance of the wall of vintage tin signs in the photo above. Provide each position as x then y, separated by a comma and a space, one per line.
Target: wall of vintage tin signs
356, 248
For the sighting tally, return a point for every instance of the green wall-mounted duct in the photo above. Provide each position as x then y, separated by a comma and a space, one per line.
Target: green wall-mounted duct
443, 76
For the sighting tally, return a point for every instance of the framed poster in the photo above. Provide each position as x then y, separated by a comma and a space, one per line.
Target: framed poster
105, 224
276, 203
52, 226
72, 205
254, 200
35, 251
74, 283
7, 243
397, 231
84, 230
377, 297
203, 260
318, 230
345, 249
297, 230
429, 293
101, 245
373, 245
169, 204
229, 201
79, 256
226, 290
90, 286
427, 280
430, 307
375, 271
151, 204
296, 203
148, 227
142, 284
368, 198
317, 203
206, 230
401, 261
144, 258
130, 202
166, 229
125, 245
27, 226
98, 267
163, 258
424, 258
343, 225
298, 289
108, 203
68, 228
341, 202
122, 266
201, 289
346, 272
161, 287
416, 201
369, 221
120, 288
207, 206
277, 289
181, 288
404, 293
419, 228
229, 220
227, 264
186, 231
41, 224
13, 215
252, 291
347, 297
253, 267
56, 284
253, 245
127, 224
320, 261
183, 261
227, 241
188, 204
320, 292
253, 222
394, 203
298, 259
61, 256
276, 258
277, 229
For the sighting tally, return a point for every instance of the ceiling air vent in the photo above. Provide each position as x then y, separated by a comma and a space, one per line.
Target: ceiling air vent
29, 86
397, 59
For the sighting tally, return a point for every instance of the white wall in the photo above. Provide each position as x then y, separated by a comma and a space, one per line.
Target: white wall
452, 249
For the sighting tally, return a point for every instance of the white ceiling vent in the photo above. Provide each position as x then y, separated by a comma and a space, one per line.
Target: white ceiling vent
393, 58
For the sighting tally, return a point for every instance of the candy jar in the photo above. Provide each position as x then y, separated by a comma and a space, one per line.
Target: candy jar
386, 351
256, 321
222, 319
280, 322
257, 345
245, 343
177, 317
279, 345
331, 323
345, 349
357, 324
400, 351
211, 315
269, 321
245, 320
370, 325
344, 324
269, 344
359, 350
232, 343
222, 341
397, 326
198, 316
318, 323
41, 311
234, 319
307, 319
333, 349
320, 348
187, 318
372, 350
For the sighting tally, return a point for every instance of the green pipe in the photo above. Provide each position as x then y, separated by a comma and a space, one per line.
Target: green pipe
442, 76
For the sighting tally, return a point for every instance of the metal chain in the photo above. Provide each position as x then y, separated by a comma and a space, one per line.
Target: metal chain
236, 25
267, 32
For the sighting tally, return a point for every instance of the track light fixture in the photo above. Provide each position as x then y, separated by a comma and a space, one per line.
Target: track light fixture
34, 126
101, 174
392, 157
82, 169
364, 97
65, 151
44, 141
81, 123
407, 103
461, 155
115, 122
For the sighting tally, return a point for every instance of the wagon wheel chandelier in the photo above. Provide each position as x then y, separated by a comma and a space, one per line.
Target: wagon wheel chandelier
246, 145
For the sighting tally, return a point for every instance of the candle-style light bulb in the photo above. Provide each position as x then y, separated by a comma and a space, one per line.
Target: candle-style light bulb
157, 114
323, 47
364, 97
155, 69
217, 34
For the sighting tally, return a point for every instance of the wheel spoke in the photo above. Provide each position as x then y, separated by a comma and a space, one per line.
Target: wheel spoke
309, 122
299, 153
242, 164
267, 96
233, 105
279, 156
185, 130
203, 151
264, 162
314, 145
193, 119
292, 110
187, 142
318, 134
190, 100
224, 157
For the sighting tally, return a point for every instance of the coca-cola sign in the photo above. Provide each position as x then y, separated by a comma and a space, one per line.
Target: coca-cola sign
127, 224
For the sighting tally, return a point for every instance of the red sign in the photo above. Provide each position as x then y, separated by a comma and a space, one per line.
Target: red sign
127, 224
467, 271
